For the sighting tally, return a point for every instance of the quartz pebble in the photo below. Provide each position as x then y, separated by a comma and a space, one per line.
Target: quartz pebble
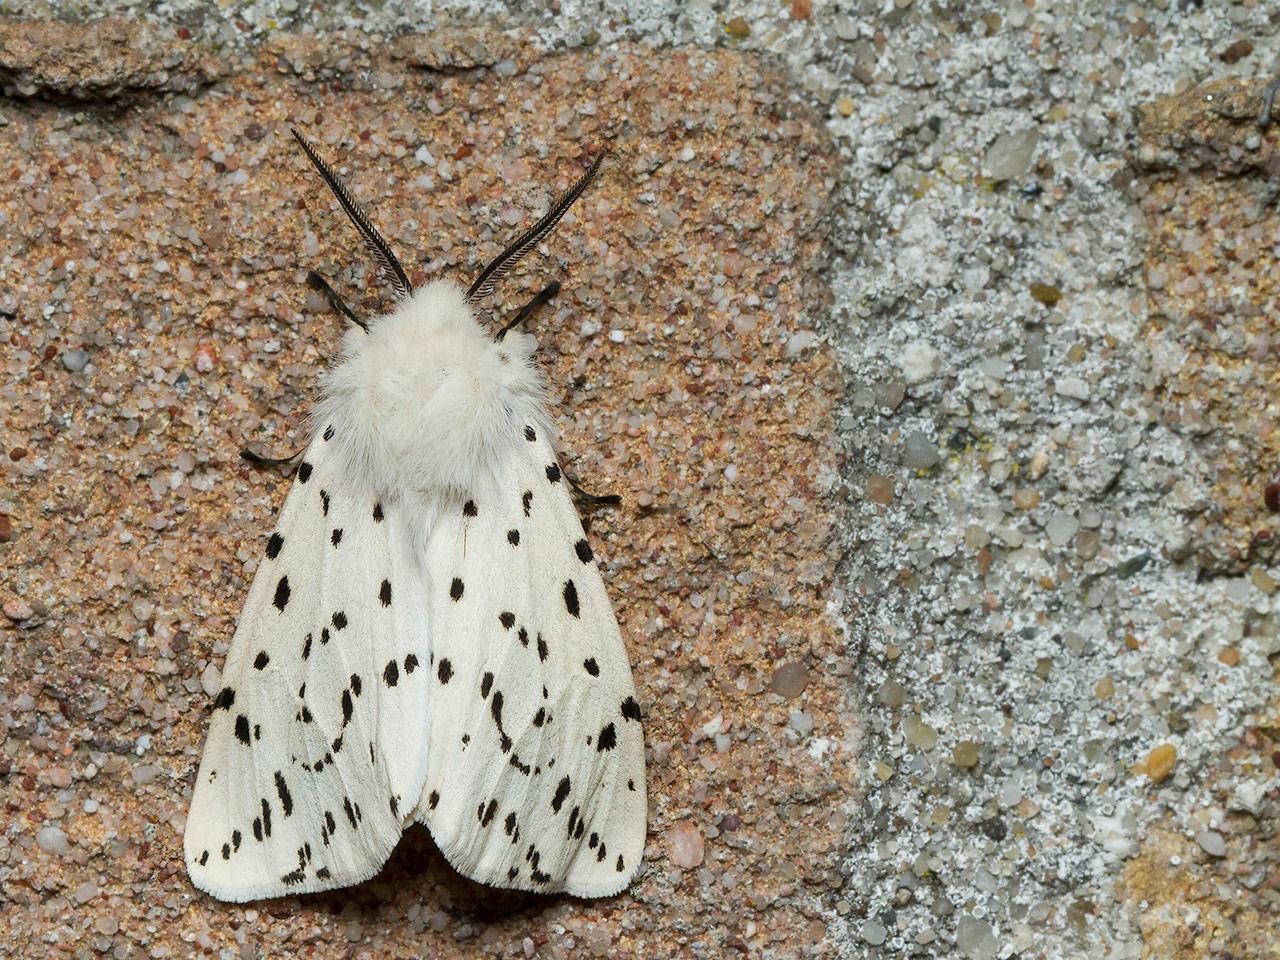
1009, 157
52, 840
919, 361
685, 845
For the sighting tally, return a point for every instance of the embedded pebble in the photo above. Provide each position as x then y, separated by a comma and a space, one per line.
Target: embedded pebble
975, 939
53, 840
685, 846
789, 680
801, 722
1212, 843
1073, 387
919, 452
1061, 528
919, 361
873, 932
18, 610
1009, 157
75, 360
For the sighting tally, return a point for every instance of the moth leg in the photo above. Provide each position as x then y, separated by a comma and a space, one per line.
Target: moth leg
595, 499
258, 460
525, 312
1268, 101
317, 282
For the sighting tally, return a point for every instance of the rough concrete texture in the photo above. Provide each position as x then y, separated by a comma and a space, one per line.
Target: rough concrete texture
1061, 625
155, 320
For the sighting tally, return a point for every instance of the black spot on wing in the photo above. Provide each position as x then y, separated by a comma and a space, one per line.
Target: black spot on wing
274, 545
630, 709
591, 666
324, 502
485, 813
304, 472
562, 791
445, 670
455, 589
553, 473
266, 817
608, 738
571, 599
391, 673
495, 708
328, 432
433, 799
282, 594
225, 698
542, 648
282, 790
529, 434
410, 663
346, 707
469, 509
513, 537
486, 683
336, 537
242, 729
507, 619
306, 647
350, 811
620, 864
204, 858
525, 500
583, 550
384, 593
377, 513
261, 660
339, 620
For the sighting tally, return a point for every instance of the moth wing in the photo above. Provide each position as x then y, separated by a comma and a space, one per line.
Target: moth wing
535, 755
313, 761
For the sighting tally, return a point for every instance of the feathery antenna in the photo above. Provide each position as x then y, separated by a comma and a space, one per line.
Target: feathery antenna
377, 246
508, 258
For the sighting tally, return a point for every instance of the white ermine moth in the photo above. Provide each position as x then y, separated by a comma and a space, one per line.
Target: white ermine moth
427, 637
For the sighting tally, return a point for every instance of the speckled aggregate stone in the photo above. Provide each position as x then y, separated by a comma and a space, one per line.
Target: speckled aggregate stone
1209, 191
155, 319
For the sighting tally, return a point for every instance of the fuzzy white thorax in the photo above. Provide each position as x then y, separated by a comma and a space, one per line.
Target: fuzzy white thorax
427, 401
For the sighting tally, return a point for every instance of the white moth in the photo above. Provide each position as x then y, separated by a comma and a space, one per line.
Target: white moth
427, 637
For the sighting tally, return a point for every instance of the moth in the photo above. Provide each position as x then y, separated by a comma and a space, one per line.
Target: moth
427, 637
